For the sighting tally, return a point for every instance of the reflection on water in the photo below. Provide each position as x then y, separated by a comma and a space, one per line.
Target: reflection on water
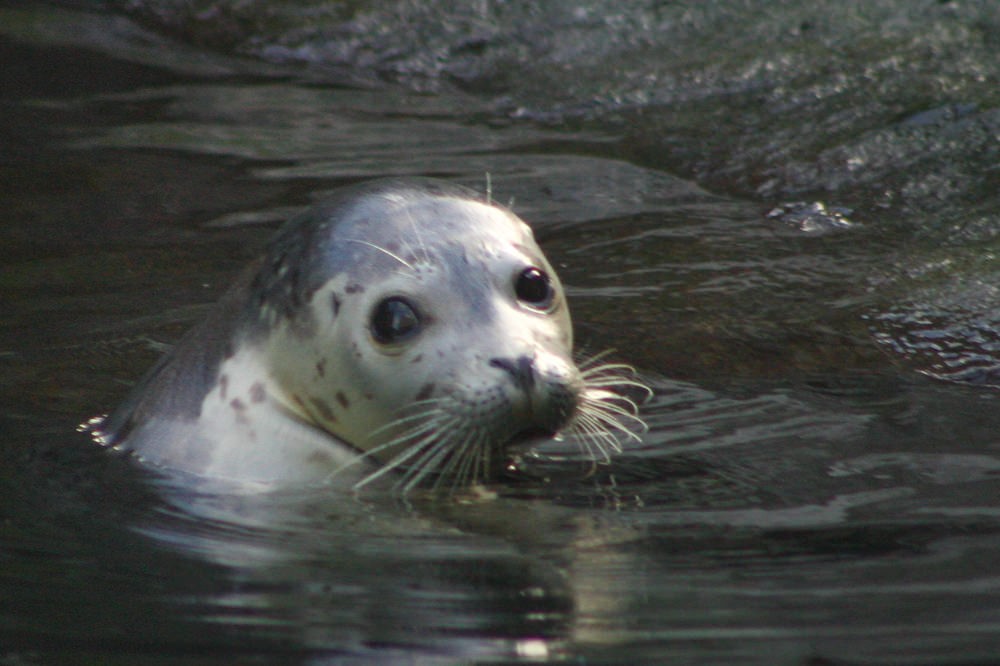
799, 496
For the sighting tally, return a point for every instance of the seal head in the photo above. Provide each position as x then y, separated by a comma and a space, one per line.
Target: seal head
410, 321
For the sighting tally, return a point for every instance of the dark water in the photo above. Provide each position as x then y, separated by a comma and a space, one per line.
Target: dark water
789, 230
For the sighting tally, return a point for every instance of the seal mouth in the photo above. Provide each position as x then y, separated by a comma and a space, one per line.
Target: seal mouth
528, 436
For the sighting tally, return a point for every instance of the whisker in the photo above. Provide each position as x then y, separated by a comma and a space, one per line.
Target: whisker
420, 241
388, 466
605, 427
410, 414
417, 439
424, 466
593, 430
608, 414
586, 443
619, 382
457, 459
587, 362
617, 369
618, 406
429, 443
603, 411
483, 454
431, 460
602, 382
382, 250
476, 461
366, 455
425, 427
428, 453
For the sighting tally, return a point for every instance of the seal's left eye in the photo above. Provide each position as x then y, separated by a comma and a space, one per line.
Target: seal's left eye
534, 288
394, 320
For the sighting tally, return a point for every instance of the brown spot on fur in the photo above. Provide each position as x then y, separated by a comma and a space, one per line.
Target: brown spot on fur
240, 408
418, 358
335, 302
223, 386
342, 399
320, 458
321, 367
354, 288
324, 410
257, 392
425, 391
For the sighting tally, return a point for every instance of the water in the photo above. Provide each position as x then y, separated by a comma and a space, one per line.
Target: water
818, 484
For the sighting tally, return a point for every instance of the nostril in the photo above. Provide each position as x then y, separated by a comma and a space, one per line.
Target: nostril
521, 369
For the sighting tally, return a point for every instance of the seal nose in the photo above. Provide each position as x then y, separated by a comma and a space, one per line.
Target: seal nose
522, 369
546, 402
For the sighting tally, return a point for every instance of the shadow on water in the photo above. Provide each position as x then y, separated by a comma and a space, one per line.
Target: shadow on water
810, 491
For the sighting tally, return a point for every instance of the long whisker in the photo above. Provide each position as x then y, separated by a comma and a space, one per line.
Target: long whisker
615, 405
605, 382
392, 464
592, 366
592, 431
423, 426
426, 463
427, 425
382, 250
416, 233
455, 465
474, 459
421, 422
587, 362
607, 417
604, 414
430, 443
606, 377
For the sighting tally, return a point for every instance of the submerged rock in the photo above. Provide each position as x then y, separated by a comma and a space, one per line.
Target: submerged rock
885, 105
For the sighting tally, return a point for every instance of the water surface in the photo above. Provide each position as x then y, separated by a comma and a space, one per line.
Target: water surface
818, 483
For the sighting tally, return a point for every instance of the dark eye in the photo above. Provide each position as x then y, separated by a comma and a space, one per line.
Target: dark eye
533, 287
394, 320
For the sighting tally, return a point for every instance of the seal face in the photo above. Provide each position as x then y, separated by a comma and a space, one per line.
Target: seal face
406, 323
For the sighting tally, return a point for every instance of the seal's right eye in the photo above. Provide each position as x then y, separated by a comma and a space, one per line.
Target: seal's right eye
533, 287
394, 320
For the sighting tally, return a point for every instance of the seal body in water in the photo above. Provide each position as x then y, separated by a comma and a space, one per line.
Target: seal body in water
404, 325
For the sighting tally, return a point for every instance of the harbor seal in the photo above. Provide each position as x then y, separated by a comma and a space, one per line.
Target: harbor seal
407, 325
